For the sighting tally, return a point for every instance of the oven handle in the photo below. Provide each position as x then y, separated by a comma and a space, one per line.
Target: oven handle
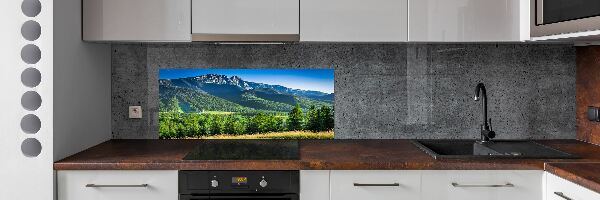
245, 196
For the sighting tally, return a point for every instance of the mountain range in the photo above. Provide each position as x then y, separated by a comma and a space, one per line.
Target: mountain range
216, 92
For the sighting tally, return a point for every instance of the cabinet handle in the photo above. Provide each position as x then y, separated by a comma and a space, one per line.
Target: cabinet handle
376, 184
114, 186
499, 185
560, 194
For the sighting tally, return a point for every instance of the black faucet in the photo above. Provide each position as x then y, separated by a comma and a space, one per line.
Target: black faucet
486, 129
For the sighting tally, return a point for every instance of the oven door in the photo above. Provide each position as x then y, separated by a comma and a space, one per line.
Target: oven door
552, 17
244, 197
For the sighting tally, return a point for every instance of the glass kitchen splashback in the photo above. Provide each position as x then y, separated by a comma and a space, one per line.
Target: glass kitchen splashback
246, 103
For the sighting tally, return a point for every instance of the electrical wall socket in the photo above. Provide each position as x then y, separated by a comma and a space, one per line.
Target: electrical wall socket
135, 112
593, 114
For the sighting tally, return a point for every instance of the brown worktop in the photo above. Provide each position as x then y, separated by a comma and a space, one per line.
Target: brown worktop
314, 154
584, 174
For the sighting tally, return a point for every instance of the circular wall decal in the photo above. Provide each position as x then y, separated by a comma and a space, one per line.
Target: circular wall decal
31, 77
31, 54
31, 124
31, 100
31, 147
31, 30
31, 8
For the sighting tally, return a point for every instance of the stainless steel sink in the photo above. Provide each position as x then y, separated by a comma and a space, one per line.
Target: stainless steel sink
471, 149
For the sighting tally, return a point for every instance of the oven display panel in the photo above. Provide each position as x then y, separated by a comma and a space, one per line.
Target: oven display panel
239, 181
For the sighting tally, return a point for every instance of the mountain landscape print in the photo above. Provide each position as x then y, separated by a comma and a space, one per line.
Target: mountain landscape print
246, 103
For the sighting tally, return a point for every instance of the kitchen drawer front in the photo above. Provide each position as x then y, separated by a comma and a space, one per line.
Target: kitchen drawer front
482, 185
112, 185
560, 189
376, 185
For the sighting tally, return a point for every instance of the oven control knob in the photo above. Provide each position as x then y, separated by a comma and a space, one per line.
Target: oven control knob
214, 183
263, 183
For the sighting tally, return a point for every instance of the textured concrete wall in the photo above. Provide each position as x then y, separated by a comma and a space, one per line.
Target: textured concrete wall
382, 90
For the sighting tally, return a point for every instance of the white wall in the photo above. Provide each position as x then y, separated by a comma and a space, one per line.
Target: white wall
82, 75
21, 177
82, 79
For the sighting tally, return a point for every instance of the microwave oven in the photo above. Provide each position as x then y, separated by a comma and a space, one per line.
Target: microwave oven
556, 17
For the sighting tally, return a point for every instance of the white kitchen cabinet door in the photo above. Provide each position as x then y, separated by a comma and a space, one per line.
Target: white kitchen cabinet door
314, 185
375, 185
560, 189
482, 185
248, 18
117, 185
137, 20
468, 20
353, 20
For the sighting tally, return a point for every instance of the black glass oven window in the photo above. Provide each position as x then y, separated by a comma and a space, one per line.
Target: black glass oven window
564, 10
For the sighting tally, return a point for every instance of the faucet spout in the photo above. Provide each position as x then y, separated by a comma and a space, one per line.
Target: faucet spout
486, 131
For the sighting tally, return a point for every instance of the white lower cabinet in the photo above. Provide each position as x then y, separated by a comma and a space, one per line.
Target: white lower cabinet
341, 185
117, 185
435, 185
375, 185
560, 189
482, 185
314, 184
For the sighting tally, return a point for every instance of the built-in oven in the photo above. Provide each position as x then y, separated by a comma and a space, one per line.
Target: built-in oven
236, 185
553, 17
236, 197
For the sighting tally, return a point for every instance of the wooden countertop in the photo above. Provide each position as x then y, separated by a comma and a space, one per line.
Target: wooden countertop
584, 174
331, 155
314, 154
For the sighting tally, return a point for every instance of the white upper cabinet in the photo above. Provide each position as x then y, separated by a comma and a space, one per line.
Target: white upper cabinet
468, 20
307, 20
245, 20
353, 20
136, 20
